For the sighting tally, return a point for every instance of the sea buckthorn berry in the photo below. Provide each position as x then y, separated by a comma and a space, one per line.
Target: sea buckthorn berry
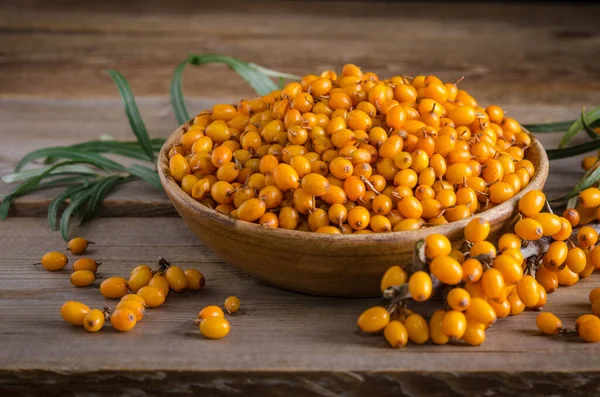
420, 286
437, 245
139, 279
483, 248
492, 283
232, 304
502, 308
152, 295
509, 267
410, 207
550, 223
572, 216
123, 319
516, 305
596, 307
195, 279
547, 279
86, 264
565, 230
555, 255
515, 253
54, 261
567, 277
285, 177
161, 283
527, 290
594, 295
417, 328
134, 297
576, 259
589, 330
446, 269
472, 270
358, 218
74, 312
214, 327
178, 167
135, 306
315, 184
458, 299
176, 278
210, 311
500, 192
509, 240
373, 320
532, 203
436, 328
590, 197
394, 276
529, 229
82, 278
251, 210
587, 237
94, 320
78, 245
481, 311
474, 333
395, 334
454, 324
477, 230
113, 287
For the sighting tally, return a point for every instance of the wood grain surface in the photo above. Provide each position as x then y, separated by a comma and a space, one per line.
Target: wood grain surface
535, 60
285, 339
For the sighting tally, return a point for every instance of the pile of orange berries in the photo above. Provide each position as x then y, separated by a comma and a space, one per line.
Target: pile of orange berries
486, 281
353, 154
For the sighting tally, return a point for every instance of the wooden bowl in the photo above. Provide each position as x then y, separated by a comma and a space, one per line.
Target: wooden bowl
321, 264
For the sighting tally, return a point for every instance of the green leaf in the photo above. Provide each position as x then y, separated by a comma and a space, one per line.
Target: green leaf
555, 154
67, 169
133, 113
58, 201
256, 76
147, 174
26, 187
591, 177
68, 153
100, 192
76, 202
549, 127
592, 116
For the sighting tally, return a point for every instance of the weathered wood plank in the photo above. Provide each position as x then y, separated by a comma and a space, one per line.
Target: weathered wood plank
275, 331
508, 52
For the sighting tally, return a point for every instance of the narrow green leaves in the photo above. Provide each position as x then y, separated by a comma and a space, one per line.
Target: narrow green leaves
64, 170
146, 174
591, 117
549, 127
589, 178
68, 153
555, 154
133, 113
58, 201
75, 204
258, 77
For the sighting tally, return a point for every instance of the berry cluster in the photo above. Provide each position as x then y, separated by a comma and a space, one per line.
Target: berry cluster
351, 153
145, 288
485, 281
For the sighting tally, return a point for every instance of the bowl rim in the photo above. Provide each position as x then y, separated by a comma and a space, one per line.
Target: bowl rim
174, 191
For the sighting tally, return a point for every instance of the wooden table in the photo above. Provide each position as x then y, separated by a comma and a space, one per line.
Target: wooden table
537, 61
